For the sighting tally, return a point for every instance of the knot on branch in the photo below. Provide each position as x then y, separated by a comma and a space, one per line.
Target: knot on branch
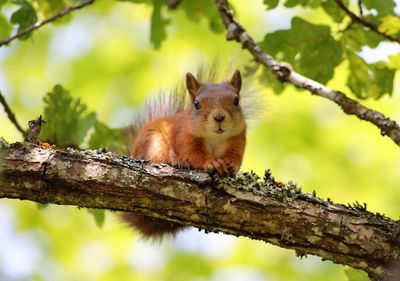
231, 31
282, 71
287, 237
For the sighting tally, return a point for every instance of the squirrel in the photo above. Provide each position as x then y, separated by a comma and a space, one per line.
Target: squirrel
209, 134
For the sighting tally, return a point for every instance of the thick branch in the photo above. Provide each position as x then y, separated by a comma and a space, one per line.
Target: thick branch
241, 206
364, 22
284, 73
11, 115
55, 17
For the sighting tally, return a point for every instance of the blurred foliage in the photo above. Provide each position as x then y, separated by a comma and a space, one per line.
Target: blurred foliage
24, 17
109, 138
355, 275
98, 215
67, 121
390, 25
112, 55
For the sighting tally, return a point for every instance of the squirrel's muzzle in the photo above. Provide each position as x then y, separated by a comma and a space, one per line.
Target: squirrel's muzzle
219, 116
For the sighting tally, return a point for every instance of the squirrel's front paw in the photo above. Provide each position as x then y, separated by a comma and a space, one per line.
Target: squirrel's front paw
181, 164
218, 165
233, 167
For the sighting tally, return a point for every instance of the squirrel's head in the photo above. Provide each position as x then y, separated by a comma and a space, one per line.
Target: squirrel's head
215, 110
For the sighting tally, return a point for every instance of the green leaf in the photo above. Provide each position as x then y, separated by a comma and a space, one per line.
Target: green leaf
333, 10
67, 119
105, 137
41, 206
383, 7
50, 7
5, 27
304, 3
355, 274
158, 25
390, 25
394, 62
369, 80
309, 48
98, 215
356, 37
24, 17
196, 10
271, 4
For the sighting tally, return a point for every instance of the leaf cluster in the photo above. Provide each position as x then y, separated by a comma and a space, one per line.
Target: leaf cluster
315, 50
69, 123
27, 13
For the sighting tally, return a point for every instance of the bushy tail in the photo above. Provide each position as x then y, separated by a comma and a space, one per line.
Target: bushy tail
162, 104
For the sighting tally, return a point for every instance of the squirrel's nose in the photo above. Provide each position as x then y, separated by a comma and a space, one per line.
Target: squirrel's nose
219, 117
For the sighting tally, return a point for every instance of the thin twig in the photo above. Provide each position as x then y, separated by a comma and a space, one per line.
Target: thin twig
11, 115
284, 73
365, 22
360, 8
37, 25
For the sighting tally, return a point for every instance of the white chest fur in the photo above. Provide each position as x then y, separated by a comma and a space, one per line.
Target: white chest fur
216, 146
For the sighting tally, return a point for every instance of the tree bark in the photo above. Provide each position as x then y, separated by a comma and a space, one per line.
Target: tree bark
267, 210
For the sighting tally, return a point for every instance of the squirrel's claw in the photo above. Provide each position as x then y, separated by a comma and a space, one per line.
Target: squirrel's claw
233, 168
181, 164
218, 165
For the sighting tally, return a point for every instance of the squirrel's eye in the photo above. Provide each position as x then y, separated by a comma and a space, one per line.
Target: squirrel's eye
197, 104
236, 101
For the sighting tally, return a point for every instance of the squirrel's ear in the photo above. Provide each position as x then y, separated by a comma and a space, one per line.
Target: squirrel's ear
192, 84
236, 81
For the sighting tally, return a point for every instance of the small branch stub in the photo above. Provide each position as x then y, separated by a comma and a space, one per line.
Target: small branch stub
35, 127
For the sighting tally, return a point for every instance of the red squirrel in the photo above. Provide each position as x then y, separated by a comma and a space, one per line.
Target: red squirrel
210, 134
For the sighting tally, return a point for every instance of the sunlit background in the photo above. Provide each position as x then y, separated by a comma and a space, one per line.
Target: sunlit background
103, 56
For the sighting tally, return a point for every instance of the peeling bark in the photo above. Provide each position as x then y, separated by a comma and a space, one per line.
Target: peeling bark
242, 206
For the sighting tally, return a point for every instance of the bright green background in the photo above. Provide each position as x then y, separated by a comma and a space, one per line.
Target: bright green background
103, 56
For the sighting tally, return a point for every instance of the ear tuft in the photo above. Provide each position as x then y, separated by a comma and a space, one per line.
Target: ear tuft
192, 84
236, 81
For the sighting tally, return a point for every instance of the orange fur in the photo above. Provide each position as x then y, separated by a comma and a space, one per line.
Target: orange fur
209, 135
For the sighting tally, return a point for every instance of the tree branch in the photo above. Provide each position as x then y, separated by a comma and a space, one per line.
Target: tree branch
11, 115
243, 206
364, 22
284, 73
173, 4
37, 25
360, 7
